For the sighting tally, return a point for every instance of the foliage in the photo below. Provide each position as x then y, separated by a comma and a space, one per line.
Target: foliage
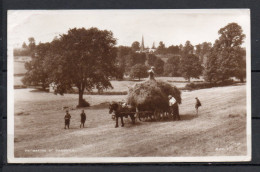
161, 49
172, 66
191, 66
151, 59
139, 71
36, 72
187, 49
173, 49
159, 66
122, 55
82, 58
203, 50
194, 86
227, 58
21, 52
135, 46
135, 58
32, 45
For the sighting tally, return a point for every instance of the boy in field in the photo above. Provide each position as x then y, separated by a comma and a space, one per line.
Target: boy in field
82, 118
197, 105
67, 119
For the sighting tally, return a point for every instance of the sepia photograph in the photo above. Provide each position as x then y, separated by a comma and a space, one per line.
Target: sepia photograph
121, 86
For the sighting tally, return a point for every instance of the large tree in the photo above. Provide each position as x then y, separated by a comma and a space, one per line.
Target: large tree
228, 54
37, 73
83, 58
191, 66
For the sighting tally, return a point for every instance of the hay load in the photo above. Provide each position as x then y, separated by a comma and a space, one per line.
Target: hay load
152, 95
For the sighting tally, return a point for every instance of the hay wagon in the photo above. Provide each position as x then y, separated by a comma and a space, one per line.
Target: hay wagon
154, 115
146, 115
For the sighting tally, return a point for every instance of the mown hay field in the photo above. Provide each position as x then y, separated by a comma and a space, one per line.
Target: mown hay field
218, 130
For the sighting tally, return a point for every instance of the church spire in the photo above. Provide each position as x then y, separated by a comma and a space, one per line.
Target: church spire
153, 47
142, 45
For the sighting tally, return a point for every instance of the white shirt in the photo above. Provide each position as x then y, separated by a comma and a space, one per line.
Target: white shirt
172, 101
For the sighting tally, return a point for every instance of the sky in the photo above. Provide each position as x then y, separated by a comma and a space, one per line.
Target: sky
173, 27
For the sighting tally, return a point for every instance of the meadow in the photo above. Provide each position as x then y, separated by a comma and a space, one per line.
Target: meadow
218, 130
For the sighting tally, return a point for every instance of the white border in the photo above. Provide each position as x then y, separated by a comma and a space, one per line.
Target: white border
10, 110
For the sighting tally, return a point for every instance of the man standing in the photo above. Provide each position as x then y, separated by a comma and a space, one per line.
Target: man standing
174, 108
67, 119
83, 118
197, 105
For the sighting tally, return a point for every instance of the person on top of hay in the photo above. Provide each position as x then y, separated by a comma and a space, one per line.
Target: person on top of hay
151, 73
197, 105
67, 119
174, 108
82, 119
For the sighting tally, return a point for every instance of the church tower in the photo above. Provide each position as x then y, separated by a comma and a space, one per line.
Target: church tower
142, 45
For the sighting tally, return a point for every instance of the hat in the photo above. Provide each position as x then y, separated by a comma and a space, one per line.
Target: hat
170, 96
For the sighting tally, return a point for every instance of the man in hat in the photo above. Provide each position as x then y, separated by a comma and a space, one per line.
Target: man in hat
82, 119
174, 108
197, 105
67, 119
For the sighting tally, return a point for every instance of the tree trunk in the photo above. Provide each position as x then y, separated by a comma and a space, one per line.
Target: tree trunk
81, 100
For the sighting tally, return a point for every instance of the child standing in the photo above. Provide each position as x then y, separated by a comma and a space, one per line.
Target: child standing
67, 119
83, 118
197, 105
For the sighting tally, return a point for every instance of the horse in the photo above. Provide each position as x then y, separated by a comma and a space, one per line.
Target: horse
121, 112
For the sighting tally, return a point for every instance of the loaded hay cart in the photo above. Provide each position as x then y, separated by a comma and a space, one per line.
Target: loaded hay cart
151, 97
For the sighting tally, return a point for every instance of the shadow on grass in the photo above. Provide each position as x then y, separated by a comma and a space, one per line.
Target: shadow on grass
187, 117
104, 105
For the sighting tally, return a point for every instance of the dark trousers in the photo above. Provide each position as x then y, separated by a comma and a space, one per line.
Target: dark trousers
67, 123
175, 112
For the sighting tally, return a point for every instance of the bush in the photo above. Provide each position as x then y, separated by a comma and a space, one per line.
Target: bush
194, 86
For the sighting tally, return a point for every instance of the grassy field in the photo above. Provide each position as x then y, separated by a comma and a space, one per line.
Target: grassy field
219, 129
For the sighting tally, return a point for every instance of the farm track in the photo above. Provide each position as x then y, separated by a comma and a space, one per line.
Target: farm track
213, 132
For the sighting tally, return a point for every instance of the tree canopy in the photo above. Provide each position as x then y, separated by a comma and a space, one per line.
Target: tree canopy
139, 71
191, 66
36, 73
227, 55
172, 66
82, 58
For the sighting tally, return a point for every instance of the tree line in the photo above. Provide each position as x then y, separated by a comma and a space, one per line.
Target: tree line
89, 58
